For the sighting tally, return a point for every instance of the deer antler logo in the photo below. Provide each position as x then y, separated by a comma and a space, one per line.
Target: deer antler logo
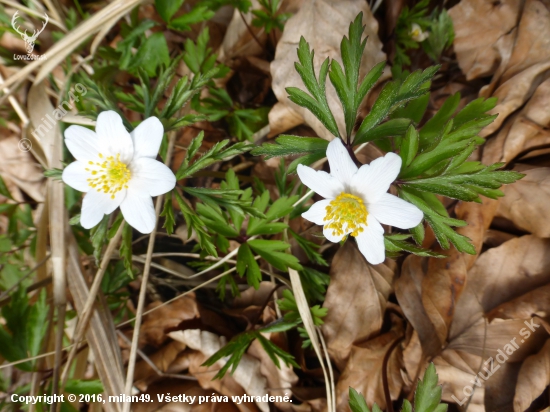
29, 40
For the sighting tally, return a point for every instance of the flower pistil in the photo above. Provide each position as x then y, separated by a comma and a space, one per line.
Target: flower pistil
110, 175
346, 214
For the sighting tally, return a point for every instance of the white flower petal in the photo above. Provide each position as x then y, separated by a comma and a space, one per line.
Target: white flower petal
328, 233
320, 182
151, 177
75, 175
138, 211
147, 138
113, 137
95, 205
371, 242
82, 143
373, 180
341, 165
317, 212
393, 211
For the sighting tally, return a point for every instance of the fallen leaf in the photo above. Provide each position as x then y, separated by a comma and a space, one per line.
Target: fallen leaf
356, 301
534, 377
363, 372
533, 215
534, 303
408, 290
247, 374
279, 380
311, 22
500, 274
155, 325
482, 29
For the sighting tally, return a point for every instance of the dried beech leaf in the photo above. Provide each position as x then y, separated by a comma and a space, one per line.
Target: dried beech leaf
155, 325
482, 28
500, 274
526, 202
534, 377
356, 300
363, 371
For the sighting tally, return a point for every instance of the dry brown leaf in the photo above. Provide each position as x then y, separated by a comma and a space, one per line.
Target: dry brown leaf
311, 22
356, 300
153, 330
162, 359
456, 370
408, 291
363, 371
279, 380
534, 377
482, 29
522, 131
526, 202
534, 303
500, 274
490, 40
18, 167
445, 278
247, 374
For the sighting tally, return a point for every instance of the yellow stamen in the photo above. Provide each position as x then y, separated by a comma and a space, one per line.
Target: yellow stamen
346, 214
114, 175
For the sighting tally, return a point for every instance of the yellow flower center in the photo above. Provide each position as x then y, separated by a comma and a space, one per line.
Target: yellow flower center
109, 175
346, 214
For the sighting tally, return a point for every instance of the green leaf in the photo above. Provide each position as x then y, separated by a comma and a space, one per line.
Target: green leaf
84, 387
440, 224
394, 245
126, 249
55, 174
428, 394
152, 53
357, 402
426, 160
393, 127
346, 81
316, 102
310, 248
196, 15
286, 145
75, 220
247, 265
4, 189
275, 353
215, 154
270, 250
167, 8
392, 96
168, 214
409, 146
98, 236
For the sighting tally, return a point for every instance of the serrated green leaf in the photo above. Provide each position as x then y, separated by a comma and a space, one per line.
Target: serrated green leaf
428, 394
196, 15
167, 8
4, 189
357, 402
393, 127
409, 146
247, 265
290, 145
270, 250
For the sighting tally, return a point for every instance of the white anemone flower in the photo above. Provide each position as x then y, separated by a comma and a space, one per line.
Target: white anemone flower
356, 200
417, 34
116, 168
